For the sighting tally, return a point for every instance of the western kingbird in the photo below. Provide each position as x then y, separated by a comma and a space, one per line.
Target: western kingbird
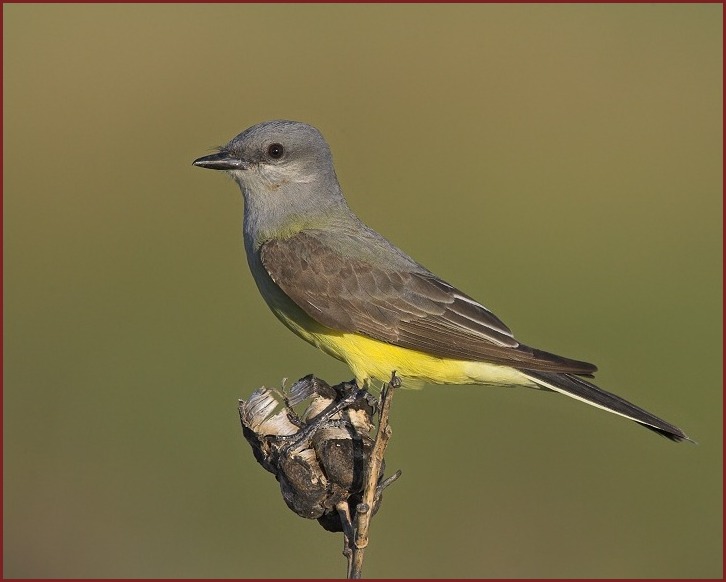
344, 288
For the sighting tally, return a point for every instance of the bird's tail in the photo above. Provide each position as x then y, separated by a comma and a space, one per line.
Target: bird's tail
578, 388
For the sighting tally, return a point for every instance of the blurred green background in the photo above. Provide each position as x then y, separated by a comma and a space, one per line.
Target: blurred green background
561, 163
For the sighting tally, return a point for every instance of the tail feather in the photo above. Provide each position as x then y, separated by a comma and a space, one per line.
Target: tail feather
582, 390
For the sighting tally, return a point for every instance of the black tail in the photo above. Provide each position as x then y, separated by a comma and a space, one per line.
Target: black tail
581, 390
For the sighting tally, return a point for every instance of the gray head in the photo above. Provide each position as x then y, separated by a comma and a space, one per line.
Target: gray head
285, 171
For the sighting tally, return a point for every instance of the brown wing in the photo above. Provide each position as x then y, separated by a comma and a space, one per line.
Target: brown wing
409, 308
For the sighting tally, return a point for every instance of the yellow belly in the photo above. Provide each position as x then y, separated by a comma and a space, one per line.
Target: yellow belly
370, 359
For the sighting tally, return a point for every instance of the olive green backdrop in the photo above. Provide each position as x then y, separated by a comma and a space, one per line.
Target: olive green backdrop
561, 163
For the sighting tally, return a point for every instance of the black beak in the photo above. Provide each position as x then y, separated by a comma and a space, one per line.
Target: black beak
220, 161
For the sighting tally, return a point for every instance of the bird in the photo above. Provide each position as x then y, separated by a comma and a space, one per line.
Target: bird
344, 288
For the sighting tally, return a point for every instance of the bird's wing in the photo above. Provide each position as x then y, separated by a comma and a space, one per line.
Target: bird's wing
410, 308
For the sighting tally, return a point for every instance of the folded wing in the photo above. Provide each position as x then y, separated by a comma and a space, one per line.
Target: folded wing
407, 307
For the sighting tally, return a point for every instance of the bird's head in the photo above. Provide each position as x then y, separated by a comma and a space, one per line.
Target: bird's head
272, 154
285, 171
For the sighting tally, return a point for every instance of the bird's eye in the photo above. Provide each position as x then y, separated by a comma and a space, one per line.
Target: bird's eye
275, 150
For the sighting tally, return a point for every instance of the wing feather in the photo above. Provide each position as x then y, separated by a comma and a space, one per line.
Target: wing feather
407, 307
